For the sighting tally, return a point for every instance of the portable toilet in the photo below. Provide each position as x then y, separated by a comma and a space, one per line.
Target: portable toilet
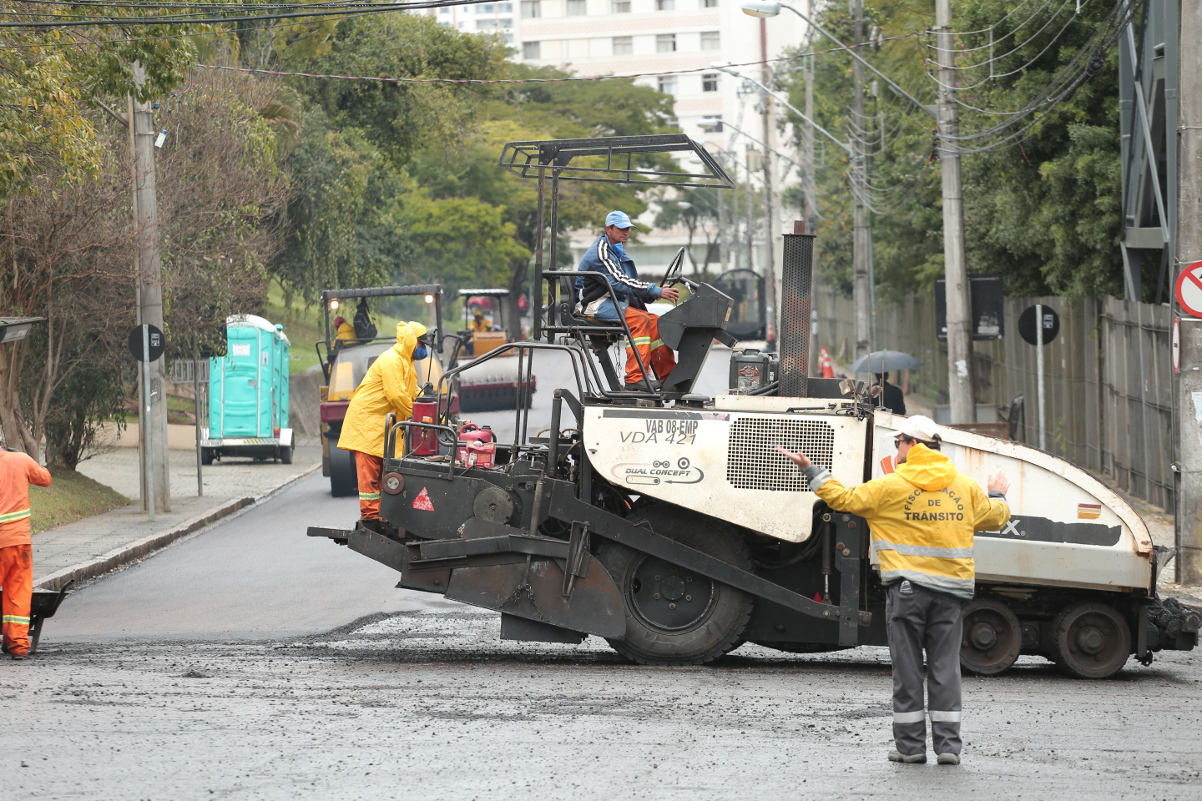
248, 393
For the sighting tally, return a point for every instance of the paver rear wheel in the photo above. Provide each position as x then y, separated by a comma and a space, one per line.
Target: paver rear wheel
993, 638
675, 616
1090, 641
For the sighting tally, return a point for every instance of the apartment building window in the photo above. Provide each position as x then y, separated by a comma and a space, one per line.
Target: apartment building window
623, 45
665, 43
711, 40
709, 3
577, 8
667, 84
504, 8
531, 50
531, 9
619, 6
709, 81
486, 8
665, 5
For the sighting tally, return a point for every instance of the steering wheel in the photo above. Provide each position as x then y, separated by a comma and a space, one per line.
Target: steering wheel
675, 273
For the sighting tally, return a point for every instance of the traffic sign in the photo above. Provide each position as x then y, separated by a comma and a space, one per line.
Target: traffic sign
1026, 325
1189, 289
158, 342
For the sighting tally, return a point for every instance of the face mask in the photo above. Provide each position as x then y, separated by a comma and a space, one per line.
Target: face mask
420, 353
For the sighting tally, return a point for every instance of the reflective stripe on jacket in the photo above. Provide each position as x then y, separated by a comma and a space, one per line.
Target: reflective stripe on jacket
389, 386
17, 472
922, 519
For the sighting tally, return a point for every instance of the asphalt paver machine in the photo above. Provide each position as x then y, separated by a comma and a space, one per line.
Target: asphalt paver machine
345, 362
665, 522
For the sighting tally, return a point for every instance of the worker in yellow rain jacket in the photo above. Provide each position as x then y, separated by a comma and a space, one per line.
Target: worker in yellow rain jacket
922, 518
389, 386
344, 332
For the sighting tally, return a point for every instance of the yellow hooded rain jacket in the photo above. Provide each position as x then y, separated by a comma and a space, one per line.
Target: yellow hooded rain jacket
389, 386
922, 519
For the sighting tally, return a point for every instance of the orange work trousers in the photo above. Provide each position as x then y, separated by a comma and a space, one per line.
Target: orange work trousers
16, 579
369, 470
644, 328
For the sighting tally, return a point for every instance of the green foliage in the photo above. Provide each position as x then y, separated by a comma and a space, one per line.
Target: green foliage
1043, 212
1047, 212
459, 241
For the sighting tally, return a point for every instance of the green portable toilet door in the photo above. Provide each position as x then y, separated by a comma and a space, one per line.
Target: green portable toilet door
242, 399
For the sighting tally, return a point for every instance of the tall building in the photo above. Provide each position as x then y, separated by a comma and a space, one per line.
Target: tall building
479, 18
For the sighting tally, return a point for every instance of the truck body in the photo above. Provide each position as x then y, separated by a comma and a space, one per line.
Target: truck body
248, 394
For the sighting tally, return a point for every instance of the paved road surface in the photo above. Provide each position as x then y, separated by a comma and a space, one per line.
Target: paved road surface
252, 663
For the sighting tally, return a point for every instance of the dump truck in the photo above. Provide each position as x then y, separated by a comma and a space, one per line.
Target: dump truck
663, 520
248, 394
345, 362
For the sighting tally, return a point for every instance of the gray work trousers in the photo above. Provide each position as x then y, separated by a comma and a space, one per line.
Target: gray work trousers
919, 620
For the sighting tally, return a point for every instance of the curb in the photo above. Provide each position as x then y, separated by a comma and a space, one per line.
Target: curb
153, 542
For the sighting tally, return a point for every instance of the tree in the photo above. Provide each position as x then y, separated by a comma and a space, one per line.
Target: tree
697, 210
66, 252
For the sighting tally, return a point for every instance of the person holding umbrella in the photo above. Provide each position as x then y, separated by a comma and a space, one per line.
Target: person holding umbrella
892, 399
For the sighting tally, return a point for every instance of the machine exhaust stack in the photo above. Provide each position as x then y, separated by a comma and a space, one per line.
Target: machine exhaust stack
793, 338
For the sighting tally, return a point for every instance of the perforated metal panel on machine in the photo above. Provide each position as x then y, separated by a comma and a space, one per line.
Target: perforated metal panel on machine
793, 341
753, 462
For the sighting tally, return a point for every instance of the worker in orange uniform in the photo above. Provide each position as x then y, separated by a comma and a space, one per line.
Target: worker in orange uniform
17, 472
607, 256
389, 386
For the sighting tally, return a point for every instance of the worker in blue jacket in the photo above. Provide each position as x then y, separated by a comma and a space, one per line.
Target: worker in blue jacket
608, 256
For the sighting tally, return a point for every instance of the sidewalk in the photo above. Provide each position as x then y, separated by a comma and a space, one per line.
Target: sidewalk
90, 547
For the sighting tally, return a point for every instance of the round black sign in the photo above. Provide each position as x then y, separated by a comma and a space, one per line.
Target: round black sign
1026, 325
158, 343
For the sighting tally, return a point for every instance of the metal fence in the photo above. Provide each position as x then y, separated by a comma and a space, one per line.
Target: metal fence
1107, 378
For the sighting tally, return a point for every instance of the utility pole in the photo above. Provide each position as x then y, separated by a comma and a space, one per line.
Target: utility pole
768, 117
1189, 250
811, 177
861, 288
150, 297
959, 305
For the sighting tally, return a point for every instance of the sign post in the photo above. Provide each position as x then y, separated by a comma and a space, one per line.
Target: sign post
1039, 325
147, 343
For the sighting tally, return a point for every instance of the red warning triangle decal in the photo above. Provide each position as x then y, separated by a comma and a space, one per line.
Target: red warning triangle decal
423, 502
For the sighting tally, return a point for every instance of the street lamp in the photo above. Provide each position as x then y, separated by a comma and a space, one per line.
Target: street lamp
771, 8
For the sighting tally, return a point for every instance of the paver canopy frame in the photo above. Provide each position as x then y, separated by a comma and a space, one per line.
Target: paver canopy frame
608, 159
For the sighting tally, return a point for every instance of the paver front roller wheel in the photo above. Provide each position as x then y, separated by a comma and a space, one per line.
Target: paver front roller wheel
343, 479
673, 615
993, 638
1090, 640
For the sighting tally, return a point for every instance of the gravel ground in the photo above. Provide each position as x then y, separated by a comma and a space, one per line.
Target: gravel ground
430, 702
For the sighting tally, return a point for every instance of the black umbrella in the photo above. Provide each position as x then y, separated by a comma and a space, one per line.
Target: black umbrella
884, 361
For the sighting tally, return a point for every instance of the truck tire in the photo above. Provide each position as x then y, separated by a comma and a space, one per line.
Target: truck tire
286, 453
344, 481
1090, 640
675, 616
206, 455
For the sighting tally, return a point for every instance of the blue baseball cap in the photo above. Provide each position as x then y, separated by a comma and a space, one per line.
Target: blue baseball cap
620, 219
